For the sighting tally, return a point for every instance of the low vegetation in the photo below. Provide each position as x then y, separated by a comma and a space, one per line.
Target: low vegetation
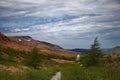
27, 75
73, 72
93, 65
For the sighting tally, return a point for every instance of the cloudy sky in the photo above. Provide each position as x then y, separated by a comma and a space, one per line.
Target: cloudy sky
68, 23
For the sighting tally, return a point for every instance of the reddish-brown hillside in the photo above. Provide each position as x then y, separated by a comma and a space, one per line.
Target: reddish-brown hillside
27, 43
3, 38
7, 42
42, 46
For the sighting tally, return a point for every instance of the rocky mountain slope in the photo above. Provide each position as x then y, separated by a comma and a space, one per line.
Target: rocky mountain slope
27, 43
7, 42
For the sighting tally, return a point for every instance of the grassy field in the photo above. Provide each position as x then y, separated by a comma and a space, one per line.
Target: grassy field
73, 72
91, 73
27, 75
69, 70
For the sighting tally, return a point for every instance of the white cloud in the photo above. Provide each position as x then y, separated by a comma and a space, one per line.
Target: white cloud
61, 7
20, 29
92, 17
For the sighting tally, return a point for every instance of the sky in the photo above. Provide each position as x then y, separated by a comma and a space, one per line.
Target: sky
67, 23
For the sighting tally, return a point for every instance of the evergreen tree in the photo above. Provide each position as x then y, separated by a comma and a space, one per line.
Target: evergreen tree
93, 56
34, 58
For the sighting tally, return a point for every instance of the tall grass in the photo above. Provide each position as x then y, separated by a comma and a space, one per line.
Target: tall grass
90, 73
27, 75
72, 72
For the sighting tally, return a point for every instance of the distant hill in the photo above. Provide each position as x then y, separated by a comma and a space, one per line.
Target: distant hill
106, 51
78, 50
15, 51
113, 50
7, 42
27, 43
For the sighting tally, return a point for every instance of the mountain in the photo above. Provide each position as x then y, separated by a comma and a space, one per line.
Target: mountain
78, 50
5, 42
27, 43
113, 50
18, 51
